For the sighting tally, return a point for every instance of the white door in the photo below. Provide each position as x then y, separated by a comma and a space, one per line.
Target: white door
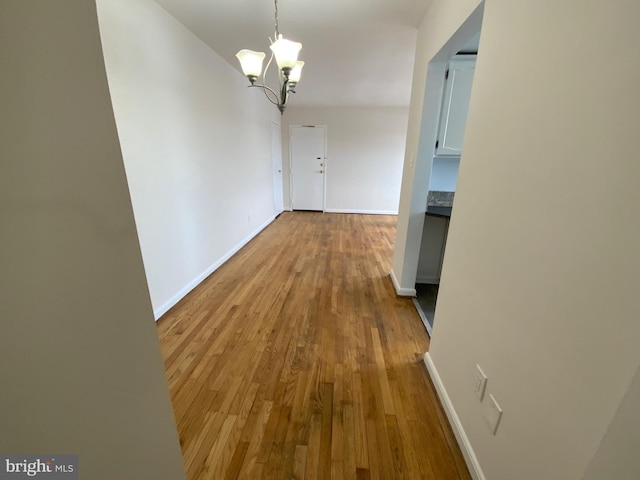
308, 167
276, 156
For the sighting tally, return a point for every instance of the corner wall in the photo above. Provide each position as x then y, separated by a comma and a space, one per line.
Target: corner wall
80, 365
365, 148
540, 278
196, 144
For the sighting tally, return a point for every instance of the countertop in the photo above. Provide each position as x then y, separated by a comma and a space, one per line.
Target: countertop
438, 211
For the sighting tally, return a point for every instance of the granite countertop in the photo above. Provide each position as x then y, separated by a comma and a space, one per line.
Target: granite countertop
439, 204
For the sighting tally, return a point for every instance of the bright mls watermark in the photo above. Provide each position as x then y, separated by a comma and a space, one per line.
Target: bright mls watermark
50, 467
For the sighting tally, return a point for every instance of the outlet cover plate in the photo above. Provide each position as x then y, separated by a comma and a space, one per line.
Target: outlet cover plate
492, 414
480, 383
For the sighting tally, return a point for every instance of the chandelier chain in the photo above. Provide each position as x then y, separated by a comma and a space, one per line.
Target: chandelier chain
277, 29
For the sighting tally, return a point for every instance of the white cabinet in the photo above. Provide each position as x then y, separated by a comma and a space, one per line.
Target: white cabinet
455, 105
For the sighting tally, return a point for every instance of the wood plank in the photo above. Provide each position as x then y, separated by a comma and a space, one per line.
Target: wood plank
299, 462
213, 466
313, 450
382, 373
326, 432
197, 452
348, 442
253, 434
233, 470
360, 432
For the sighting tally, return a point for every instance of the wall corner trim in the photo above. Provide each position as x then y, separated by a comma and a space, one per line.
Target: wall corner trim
463, 441
403, 292
166, 306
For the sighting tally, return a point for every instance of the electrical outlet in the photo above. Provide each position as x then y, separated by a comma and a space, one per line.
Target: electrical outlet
480, 383
492, 414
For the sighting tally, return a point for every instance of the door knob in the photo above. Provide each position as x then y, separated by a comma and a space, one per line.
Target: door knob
321, 171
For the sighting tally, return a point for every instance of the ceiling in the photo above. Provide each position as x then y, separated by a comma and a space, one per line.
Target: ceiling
356, 52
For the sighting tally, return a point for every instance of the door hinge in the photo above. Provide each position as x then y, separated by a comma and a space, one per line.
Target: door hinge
446, 74
437, 143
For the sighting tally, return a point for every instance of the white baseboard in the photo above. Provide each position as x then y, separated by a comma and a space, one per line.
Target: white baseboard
463, 441
403, 292
164, 308
363, 212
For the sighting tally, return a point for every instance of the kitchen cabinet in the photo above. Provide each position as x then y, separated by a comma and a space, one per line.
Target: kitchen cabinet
455, 105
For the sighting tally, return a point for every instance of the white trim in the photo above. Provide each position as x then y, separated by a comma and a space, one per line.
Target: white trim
364, 212
280, 169
403, 292
164, 308
290, 166
288, 209
325, 167
463, 441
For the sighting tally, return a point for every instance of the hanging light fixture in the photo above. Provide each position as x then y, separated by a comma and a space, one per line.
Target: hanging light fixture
286, 55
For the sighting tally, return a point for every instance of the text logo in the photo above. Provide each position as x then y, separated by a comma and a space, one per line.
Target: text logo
49, 467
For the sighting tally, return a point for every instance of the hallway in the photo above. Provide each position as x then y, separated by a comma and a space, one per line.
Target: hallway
296, 359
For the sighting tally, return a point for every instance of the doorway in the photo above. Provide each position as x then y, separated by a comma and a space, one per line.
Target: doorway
449, 84
308, 166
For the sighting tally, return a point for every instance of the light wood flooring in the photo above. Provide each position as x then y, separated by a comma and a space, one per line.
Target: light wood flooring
296, 360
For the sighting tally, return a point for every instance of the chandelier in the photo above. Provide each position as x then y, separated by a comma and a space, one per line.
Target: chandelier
286, 55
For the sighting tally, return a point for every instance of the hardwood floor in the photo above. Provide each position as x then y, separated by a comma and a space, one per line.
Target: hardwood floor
296, 360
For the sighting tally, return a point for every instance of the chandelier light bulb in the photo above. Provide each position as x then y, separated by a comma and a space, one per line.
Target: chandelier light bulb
286, 52
296, 72
251, 63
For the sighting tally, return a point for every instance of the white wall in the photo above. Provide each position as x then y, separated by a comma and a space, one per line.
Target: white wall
540, 277
444, 174
196, 144
80, 367
365, 149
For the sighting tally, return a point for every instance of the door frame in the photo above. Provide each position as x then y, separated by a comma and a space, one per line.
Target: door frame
280, 168
326, 162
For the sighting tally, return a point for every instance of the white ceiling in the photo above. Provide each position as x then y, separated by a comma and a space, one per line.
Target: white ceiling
356, 52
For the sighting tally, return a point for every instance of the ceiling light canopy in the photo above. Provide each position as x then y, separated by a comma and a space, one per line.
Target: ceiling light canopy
290, 68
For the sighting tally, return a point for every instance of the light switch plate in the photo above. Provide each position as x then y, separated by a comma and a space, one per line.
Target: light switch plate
480, 383
492, 414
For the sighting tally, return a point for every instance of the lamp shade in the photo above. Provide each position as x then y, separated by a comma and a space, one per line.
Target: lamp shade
286, 52
294, 76
251, 62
